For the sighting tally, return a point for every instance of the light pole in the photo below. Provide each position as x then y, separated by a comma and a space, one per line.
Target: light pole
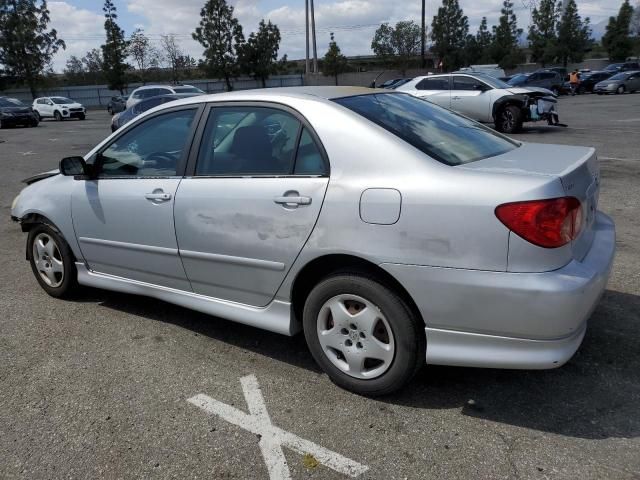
313, 34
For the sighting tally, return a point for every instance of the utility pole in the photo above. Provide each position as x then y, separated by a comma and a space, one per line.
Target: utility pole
423, 36
306, 28
313, 33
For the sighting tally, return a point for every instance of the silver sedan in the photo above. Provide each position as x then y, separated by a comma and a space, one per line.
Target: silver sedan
391, 231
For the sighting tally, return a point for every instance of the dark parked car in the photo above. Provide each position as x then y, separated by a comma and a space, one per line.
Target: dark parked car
543, 78
120, 119
589, 80
117, 104
13, 113
622, 67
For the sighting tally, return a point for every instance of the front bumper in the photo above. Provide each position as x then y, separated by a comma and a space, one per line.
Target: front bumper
509, 320
16, 120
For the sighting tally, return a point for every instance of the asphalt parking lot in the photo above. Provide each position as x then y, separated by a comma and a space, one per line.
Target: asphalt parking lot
98, 387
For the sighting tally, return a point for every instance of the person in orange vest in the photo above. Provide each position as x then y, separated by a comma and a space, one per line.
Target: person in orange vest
574, 81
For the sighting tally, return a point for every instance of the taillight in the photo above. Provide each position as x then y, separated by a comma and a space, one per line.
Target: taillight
548, 223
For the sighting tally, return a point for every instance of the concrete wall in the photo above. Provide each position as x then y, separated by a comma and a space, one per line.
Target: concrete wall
99, 95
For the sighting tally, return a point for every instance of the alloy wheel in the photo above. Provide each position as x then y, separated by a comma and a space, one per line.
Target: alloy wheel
355, 336
48, 260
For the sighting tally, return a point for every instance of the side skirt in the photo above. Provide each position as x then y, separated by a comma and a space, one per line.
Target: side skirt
276, 317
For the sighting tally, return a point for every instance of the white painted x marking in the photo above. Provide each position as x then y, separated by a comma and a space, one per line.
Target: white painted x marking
273, 438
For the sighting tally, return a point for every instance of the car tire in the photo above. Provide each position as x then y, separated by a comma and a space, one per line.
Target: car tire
509, 119
620, 90
52, 261
39, 117
82, 116
390, 330
581, 90
57, 115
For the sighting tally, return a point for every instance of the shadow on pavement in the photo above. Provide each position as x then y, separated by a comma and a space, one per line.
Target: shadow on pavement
595, 395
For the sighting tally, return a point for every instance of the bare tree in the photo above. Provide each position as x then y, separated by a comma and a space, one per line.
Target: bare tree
142, 52
172, 54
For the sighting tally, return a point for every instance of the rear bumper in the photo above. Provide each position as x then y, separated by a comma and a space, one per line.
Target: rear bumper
509, 320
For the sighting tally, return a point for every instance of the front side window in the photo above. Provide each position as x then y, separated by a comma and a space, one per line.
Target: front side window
441, 134
150, 149
439, 83
241, 141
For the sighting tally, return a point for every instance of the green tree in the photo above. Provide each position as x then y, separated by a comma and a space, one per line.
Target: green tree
220, 34
258, 55
334, 63
484, 38
504, 49
398, 45
617, 39
74, 69
543, 39
574, 35
449, 30
114, 50
26, 45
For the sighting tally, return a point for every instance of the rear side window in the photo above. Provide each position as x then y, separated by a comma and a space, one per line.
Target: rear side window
441, 134
246, 141
441, 83
241, 141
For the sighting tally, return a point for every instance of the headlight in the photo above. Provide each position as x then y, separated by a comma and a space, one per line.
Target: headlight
15, 202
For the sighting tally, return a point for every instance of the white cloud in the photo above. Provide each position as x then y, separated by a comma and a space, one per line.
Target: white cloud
81, 30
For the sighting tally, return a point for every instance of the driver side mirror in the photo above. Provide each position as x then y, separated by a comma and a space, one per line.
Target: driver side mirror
74, 166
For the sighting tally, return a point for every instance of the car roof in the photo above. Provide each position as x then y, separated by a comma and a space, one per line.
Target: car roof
146, 87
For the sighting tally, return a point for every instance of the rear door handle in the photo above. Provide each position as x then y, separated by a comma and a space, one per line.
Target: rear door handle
293, 200
158, 197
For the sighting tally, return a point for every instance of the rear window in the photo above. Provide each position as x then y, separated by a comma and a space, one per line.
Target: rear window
443, 135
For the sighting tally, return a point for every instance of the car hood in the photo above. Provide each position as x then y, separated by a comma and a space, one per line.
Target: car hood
525, 90
15, 109
70, 105
40, 176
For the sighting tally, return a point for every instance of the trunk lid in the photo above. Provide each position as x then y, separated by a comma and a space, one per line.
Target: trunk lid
576, 167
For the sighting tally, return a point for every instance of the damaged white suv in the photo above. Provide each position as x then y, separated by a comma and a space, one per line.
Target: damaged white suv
486, 99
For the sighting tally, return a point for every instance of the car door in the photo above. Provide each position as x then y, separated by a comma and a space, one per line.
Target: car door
251, 201
435, 89
123, 219
46, 107
633, 83
471, 97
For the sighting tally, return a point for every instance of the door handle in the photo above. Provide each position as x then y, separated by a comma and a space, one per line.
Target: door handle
455, 98
293, 200
158, 197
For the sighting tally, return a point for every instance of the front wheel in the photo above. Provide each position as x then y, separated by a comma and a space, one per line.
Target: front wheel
52, 261
509, 119
620, 89
362, 334
82, 116
57, 115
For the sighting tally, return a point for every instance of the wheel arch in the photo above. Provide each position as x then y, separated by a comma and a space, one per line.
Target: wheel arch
518, 100
30, 220
320, 267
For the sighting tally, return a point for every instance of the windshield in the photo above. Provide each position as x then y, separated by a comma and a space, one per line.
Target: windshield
187, 90
517, 79
443, 135
491, 81
61, 100
619, 76
11, 102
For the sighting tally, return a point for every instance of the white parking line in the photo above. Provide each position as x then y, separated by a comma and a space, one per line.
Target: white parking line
273, 438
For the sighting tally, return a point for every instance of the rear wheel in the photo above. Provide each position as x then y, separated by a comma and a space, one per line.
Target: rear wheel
52, 261
57, 115
363, 334
509, 119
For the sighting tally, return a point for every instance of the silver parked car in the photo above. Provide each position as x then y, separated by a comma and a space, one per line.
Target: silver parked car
390, 230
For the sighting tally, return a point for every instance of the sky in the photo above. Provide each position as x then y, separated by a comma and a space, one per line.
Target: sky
81, 23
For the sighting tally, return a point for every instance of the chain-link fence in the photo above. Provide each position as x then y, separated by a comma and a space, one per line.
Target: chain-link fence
99, 95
